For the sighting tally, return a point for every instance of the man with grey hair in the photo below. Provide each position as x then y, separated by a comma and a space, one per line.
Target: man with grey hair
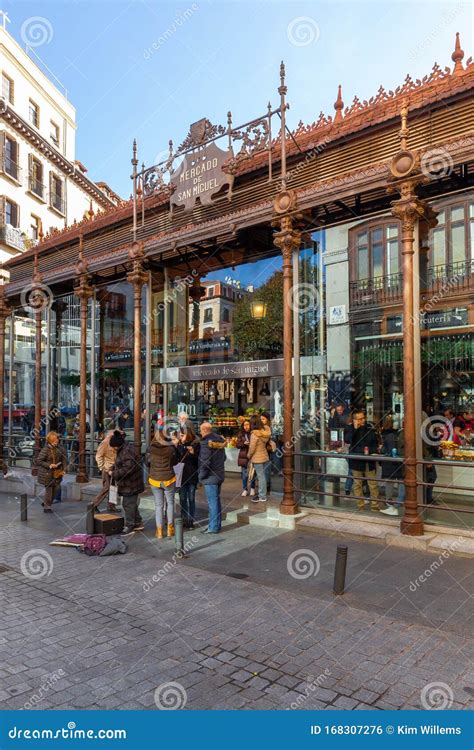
212, 473
185, 423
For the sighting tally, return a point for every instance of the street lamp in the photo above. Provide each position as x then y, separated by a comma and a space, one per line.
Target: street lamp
258, 309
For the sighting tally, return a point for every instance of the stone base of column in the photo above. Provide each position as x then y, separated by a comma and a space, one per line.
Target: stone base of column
287, 509
81, 478
411, 526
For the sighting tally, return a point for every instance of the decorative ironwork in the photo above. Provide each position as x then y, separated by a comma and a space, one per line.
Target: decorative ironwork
255, 137
200, 132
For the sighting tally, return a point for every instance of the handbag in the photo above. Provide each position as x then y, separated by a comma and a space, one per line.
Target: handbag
113, 494
178, 470
58, 473
271, 446
250, 471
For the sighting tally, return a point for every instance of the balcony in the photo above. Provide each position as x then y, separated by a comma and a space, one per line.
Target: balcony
57, 203
36, 187
451, 278
10, 168
381, 290
12, 237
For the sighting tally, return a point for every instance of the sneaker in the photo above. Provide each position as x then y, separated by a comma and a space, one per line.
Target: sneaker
128, 530
47, 510
262, 499
390, 511
252, 491
140, 526
244, 493
254, 499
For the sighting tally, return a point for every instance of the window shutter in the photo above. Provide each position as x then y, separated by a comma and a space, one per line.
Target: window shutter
51, 191
2, 149
30, 169
18, 216
2, 210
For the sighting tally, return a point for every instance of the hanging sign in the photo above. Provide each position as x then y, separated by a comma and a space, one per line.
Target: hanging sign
445, 318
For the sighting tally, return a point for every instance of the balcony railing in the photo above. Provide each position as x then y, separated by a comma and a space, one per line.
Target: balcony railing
381, 290
57, 202
450, 278
11, 236
11, 168
36, 187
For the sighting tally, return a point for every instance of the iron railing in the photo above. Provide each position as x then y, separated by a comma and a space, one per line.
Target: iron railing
57, 201
379, 290
10, 167
451, 277
35, 186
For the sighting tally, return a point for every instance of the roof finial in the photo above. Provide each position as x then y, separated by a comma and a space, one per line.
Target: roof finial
404, 130
338, 105
457, 57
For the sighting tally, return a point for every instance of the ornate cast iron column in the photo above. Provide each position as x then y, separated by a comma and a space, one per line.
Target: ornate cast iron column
84, 291
409, 209
4, 313
137, 277
37, 303
287, 239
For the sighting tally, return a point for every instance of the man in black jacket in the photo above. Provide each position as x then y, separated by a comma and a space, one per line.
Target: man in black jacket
363, 441
127, 474
212, 473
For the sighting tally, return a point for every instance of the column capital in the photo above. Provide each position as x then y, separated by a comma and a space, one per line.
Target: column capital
5, 309
83, 289
287, 221
137, 276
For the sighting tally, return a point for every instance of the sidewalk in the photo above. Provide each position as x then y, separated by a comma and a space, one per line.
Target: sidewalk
247, 620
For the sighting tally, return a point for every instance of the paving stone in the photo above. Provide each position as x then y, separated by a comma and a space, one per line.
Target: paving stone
345, 703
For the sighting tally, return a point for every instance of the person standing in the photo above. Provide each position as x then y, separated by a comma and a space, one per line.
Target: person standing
243, 442
212, 474
391, 470
127, 474
188, 449
164, 456
363, 441
271, 447
52, 465
258, 455
105, 459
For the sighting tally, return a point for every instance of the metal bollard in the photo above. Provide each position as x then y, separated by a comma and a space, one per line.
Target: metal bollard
340, 569
178, 535
90, 525
23, 508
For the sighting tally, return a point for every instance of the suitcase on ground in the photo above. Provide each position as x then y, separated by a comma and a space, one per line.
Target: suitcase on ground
108, 523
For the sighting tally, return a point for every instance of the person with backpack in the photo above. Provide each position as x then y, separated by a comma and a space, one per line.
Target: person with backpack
212, 474
243, 442
259, 456
127, 474
188, 449
164, 456
52, 465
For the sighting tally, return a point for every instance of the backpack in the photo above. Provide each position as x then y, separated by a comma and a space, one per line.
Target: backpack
94, 544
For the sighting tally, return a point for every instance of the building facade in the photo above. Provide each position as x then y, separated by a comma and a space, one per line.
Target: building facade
292, 275
43, 186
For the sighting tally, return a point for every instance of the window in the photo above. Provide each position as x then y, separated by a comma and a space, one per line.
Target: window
55, 132
226, 315
10, 160
11, 213
36, 175
452, 240
210, 291
377, 255
33, 114
7, 88
35, 225
208, 315
56, 193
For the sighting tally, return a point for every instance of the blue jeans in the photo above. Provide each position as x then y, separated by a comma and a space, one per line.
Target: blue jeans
213, 497
162, 494
245, 479
187, 501
261, 472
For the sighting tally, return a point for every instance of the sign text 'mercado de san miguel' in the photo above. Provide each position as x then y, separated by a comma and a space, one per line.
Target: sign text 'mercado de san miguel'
200, 176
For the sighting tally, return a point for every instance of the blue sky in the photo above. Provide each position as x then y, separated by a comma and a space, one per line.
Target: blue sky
127, 80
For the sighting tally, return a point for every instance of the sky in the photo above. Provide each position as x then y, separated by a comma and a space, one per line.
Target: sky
146, 70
